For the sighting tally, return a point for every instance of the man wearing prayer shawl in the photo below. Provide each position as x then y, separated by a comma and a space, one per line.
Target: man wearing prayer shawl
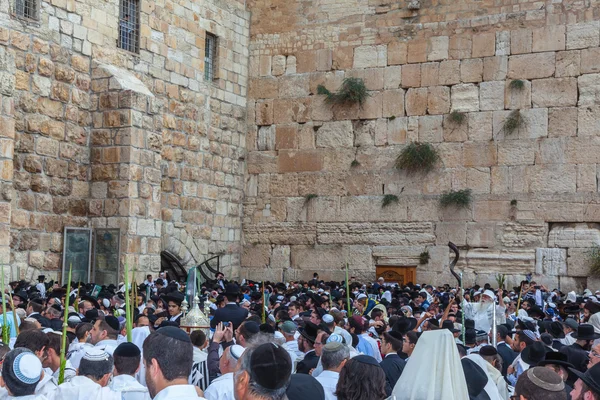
481, 311
127, 363
95, 369
434, 370
21, 371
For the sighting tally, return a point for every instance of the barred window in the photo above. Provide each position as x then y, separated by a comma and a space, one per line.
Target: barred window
210, 57
27, 9
129, 26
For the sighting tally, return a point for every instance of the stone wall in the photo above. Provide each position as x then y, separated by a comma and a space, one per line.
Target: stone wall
108, 138
420, 61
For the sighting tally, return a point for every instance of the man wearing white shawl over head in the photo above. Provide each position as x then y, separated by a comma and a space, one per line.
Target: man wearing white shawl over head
482, 311
433, 371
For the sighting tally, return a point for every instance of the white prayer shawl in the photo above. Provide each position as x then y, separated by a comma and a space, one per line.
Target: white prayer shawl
221, 388
129, 388
199, 375
70, 372
490, 387
497, 377
481, 313
347, 337
30, 397
46, 386
76, 353
433, 371
138, 335
108, 345
83, 388
178, 392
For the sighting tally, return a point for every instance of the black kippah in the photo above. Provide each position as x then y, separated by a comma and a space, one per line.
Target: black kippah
127, 349
366, 360
487, 351
396, 335
251, 327
271, 366
113, 322
174, 333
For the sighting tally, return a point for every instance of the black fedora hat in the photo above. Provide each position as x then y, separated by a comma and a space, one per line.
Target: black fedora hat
470, 336
231, 289
591, 377
176, 297
556, 358
447, 324
585, 332
556, 329
534, 353
469, 324
22, 295
309, 331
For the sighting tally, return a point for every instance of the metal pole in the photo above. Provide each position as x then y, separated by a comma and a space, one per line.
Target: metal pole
494, 340
462, 296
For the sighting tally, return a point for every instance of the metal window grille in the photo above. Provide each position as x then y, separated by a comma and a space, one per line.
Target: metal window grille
210, 57
129, 26
27, 9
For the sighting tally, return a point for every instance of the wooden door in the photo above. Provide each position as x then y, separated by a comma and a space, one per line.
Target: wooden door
397, 274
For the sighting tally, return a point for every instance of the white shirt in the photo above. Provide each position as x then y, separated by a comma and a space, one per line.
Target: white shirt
108, 345
329, 380
347, 337
292, 347
83, 388
76, 353
129, 388
178, 392
70, 372
221, 388
42, 288
46, 386
374, 345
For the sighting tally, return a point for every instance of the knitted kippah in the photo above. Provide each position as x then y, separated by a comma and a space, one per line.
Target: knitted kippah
27, 368
95, 354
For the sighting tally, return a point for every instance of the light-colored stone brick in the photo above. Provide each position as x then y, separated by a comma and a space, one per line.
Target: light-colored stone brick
531, 66
568, 63
589, 61
562, 122
438, 100
416, 101
495, 68
465, 97
588, 121
491, 96
471, 70
335, 134
430, 129
392, 77
589, 89
278, 64
397, 53
521, 41
437, 48
430, 74
549, 38
554, 92
411, 75
502, 43
449, 72
583, 35
370, 56
393, 103
484, 44
480, 126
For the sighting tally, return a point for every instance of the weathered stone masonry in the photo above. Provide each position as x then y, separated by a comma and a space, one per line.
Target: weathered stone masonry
106, 138
536, 206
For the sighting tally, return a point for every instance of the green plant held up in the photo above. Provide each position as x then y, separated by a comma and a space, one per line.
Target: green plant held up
500, 279
354, 163
353, 90
457, 117
516, 84
417, 157
424, 257
594, 258
456, 198
389, 199
513, 122
310, 196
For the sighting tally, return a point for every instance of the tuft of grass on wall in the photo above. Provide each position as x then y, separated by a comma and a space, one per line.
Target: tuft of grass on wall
594, 259
424, 257
456, 198
389, 199
354, 164
513, 122
517, 84
310, 196
457, 117
417, 157
353, 90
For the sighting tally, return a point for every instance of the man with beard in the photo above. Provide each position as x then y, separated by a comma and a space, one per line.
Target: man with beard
587, 387
577, 353
481, 312
168, 359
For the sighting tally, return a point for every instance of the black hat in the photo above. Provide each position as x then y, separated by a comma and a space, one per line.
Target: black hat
556, 329
176, 297
90, 315
404, 325
231, 289
113, 322
591, 378
447, 324
469, 324
304, 386
271, 366
534, 353
309, 331
488, 351
127, 349
585, 332
91, 300
556, 358
41, 278
21, 294
470, 336
535, 312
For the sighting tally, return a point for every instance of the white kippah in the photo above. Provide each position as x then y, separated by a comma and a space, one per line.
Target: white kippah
27, 368
95, 354
278, 335
106, 303
236, 351
327, 318
361, 296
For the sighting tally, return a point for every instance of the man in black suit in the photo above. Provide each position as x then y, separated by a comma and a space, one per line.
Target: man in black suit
392, 364
504, 350
306, 344
232, 312
577, 353
34, 308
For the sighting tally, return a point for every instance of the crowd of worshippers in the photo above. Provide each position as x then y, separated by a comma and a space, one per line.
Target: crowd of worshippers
303, 340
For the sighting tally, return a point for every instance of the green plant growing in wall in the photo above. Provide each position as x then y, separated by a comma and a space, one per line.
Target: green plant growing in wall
353, 90
594, 260
517, 84
457, 117
354, 164
424, 257
456, 198
417, 157
309, 197
513, 122
513, 202
389, 199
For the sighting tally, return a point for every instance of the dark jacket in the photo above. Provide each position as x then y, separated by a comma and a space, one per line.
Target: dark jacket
508, 356
230, 313
577, 356
310, 361
393, 366
44, 322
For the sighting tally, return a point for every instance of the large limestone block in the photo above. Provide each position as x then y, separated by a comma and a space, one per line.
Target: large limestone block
465, 97
471, 70
449, 72
430, 129
284, 233
278, 64
531, 66
588, 121
299, 161
517, 99
549, 38
430, 73
293, 86
568, 63
416, 101
495, 68
589, 60
583, 35
499, 261
555, 178
578, 262
536, 123
480, 126
393, 103
397, 53
477, 154
554, 92
521, 41
331, 257
370, 56
479, 179
411, 75
491, 96
368, 208
379, 234
503, 43
562, 121
256, 255
484, 44
576, 235
370, 132
392, 77
438, 100
335, 134
455, 232
481, 234
551, 261
589, 89
551, 151
437, 48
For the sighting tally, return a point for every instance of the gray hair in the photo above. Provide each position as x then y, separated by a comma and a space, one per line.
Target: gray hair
333, 358
254, 388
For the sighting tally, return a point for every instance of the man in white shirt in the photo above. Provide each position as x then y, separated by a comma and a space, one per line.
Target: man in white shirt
127, 358
41, 287
333, 358
289, 329
168, 358
52, 361
222, 387
104, 334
